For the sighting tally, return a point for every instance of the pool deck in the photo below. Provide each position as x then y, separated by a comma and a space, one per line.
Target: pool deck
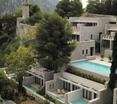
98, 61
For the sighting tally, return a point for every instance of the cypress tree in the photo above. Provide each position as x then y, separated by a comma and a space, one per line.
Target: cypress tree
113, 75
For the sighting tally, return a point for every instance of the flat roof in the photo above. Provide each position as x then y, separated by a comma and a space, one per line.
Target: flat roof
95, 86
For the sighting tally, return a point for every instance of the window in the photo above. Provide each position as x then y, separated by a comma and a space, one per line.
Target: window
82, 52
90, 24
100, 34
77, 37
66, 86
95, 95
106, 44
74, 23
84, 93
90, 95
112, 22
74, 87
86, 51
91, 36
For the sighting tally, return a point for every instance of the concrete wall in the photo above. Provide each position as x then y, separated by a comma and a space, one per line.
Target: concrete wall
86, 31
95, 101
74, 95
84, 45
54, 84
50, 85
96, 75
115, 96
28, 80
49, 75
37, 97
108, 52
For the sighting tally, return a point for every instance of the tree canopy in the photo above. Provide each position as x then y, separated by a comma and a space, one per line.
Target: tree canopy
7, 88
35, 15
109, 7
69, 8
19, 61
53, 46
7, 34
95, 6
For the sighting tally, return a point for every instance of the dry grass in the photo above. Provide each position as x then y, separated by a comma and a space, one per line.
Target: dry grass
29, 102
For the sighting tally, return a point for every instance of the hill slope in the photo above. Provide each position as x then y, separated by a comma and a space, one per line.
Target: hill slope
9, 6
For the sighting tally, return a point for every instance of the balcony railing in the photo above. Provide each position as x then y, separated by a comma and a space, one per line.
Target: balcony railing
108, 37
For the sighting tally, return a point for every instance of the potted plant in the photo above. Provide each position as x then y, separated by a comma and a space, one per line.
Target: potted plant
110, 59
102, 57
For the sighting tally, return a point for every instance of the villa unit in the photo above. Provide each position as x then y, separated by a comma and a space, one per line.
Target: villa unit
88, 31
36, 78
69, 88
107, 41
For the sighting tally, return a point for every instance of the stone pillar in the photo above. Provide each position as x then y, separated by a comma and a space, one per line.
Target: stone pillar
92, 95
110, 44
70, 87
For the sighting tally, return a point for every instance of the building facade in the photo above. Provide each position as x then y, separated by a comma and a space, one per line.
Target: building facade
89, 31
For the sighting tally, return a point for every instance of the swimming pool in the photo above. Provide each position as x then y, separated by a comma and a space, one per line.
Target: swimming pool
92, 67
80, 101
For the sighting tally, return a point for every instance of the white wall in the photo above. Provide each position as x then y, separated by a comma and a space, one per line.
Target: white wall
115, 96
84, 45
95, 101
74, 95
86, 31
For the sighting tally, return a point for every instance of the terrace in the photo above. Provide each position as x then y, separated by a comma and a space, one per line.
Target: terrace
67, 89
92, 68
36, 78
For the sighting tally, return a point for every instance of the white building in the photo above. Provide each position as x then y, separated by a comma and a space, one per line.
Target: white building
88, 31
69, 88
107, 42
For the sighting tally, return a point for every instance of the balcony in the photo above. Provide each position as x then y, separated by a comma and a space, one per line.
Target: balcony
108, 37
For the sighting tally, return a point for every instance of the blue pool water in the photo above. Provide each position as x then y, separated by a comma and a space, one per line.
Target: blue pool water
92, 67
80, 101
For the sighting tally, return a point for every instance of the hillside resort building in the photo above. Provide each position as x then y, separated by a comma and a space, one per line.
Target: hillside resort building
86, 79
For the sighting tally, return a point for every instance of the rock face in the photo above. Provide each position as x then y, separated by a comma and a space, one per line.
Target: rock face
46, 5
9, 6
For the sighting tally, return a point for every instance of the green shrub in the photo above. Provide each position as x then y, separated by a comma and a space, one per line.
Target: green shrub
90, 77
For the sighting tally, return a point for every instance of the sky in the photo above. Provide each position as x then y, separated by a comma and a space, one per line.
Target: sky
84, 2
